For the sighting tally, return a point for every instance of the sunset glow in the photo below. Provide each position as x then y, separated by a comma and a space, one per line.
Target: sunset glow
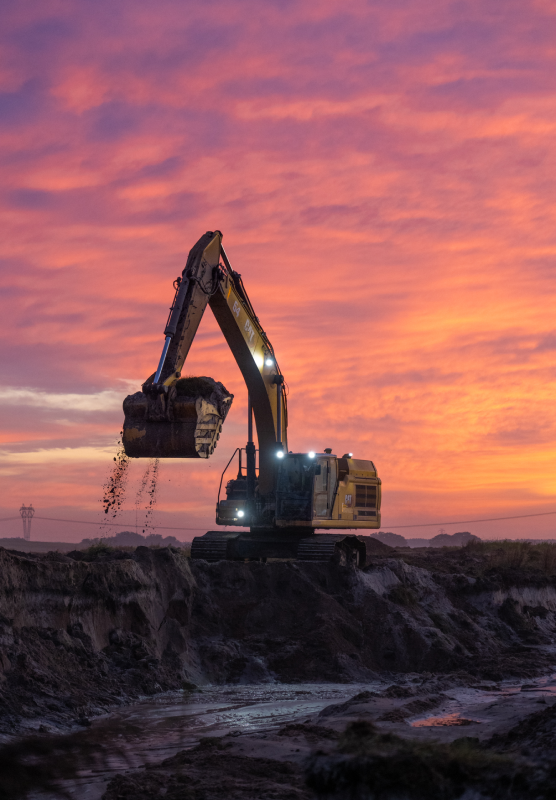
383, 176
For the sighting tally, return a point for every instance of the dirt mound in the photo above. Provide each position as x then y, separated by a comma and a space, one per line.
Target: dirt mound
390, 539
208, 771
536, 733
375, 548
371, 764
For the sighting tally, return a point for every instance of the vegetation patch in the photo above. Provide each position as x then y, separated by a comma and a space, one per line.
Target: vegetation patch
370, 764
403, 596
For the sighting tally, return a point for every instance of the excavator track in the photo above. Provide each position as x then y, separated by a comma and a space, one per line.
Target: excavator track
210, 548
344, 550
239, 546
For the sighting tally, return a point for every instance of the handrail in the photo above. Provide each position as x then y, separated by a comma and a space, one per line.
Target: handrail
222, 476
238, 449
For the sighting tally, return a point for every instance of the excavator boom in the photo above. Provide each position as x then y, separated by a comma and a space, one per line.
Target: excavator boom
162, 421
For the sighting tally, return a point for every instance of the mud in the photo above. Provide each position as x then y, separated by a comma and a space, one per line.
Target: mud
289, 741
213, 769
142, 486
146, 495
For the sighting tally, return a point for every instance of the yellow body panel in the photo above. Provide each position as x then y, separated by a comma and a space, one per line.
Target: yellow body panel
338, 486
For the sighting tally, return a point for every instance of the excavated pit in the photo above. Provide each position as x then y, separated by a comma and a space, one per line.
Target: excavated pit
85, 630
429, 645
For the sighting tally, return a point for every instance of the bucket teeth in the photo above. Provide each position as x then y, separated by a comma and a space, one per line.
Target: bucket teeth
175, 425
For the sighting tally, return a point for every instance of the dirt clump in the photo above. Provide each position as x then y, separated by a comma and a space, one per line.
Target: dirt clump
534, 736
209, 771
40, 763
115, 485
371, 764
152, 492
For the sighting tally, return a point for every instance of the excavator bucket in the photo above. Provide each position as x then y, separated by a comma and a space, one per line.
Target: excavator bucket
181, 421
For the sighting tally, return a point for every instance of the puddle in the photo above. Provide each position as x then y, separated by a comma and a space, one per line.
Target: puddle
444, 722
157, 728
466, 706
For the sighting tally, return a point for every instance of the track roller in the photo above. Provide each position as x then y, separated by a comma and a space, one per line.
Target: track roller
344, 550
213, 546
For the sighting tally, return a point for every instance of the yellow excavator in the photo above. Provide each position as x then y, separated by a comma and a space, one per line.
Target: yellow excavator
283, 497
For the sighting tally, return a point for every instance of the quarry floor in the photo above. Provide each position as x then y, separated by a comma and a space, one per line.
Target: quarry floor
284, 724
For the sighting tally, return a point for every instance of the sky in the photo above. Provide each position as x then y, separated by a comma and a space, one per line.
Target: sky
384, 177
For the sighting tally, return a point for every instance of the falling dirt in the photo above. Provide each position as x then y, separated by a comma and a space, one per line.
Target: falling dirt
152, 492
141, 491
115, 486
142, 486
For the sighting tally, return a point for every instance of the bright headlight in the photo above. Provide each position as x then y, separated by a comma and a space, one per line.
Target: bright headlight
269, 362
241, 513
311, 454
280, 454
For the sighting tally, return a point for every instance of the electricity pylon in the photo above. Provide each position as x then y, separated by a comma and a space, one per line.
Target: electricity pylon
27, 515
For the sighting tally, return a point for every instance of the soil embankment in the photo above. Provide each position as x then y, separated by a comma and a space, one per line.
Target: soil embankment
84, 631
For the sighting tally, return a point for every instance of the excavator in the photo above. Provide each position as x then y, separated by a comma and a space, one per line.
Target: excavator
281, 497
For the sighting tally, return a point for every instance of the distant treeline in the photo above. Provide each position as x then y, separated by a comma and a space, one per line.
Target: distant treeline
132, 539
441, 540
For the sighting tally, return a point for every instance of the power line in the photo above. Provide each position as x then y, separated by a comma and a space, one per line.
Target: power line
393, 527
107, 524
117, 524
467, 521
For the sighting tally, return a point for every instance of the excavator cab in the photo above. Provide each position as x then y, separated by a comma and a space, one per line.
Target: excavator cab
313, 490
327, 492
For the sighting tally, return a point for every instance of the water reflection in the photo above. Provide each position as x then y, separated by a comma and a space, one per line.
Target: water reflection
157, 728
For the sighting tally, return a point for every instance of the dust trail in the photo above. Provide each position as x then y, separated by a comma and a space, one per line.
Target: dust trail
152, 472
115, 486
141, 490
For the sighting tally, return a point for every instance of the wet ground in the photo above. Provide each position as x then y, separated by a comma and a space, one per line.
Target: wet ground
279, 721
154, 729
493, 708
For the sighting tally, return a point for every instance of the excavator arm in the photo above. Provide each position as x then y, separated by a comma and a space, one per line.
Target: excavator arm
159, 420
